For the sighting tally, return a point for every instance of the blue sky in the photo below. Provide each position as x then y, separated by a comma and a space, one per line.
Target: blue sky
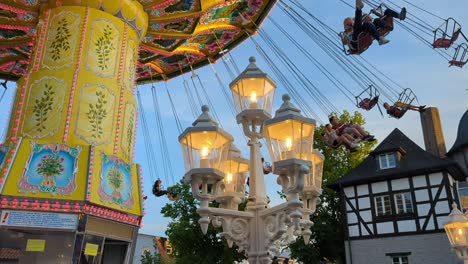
405, 59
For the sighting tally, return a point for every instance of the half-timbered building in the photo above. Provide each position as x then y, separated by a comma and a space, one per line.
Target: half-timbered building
396, 202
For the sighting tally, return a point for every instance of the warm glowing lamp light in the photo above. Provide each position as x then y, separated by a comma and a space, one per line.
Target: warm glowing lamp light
204, 152
456, 228
229, 177
253, 100
289, 134
288, 143
204, 160
253, 90
204, 145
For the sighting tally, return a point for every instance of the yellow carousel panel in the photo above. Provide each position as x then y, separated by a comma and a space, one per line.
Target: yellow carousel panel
103, 47
61, 41
114, 184
44, 107
48, 171
130, 64
128, 131
95, 119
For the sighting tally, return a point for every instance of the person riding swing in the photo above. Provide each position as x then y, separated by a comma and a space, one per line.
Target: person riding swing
158, 192
399, 109
360, 24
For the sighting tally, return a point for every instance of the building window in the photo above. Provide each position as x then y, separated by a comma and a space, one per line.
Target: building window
403, 203
383, 205
400, 260
387, 161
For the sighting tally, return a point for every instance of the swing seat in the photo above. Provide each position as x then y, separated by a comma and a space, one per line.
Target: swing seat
365, 39
362, 44
442, 38
405, 99
457, 63
159, 193
445, 43
399, 113
364, 101
173, 196
460, 57
442, 43
368, 104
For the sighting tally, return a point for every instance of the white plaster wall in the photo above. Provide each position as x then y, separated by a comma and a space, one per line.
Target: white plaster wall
443, 194
353, 202
442, 207
364, 203
425, 249
385, 228
379, 187
423, 209
435, 178
366, 215
353, 231
422, 195
400, 184
364, 230
349, 192
442, 220
406, 226
419, 181
352, 218
430, 224
362, 189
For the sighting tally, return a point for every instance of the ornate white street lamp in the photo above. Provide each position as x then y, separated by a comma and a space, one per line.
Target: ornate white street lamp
221, 177
457, 232
205, 148
232, 191
311, 192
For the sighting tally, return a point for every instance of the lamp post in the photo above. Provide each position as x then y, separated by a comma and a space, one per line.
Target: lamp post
457, 232
290, 143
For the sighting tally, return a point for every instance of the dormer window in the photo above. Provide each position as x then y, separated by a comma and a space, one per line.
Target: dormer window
387, 160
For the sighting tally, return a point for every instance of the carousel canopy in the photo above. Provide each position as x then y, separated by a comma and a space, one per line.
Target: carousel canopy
181, 33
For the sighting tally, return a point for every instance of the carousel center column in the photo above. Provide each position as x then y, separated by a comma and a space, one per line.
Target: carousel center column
69, 147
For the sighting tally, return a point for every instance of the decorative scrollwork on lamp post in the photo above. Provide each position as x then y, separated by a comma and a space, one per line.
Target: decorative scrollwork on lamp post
216, 170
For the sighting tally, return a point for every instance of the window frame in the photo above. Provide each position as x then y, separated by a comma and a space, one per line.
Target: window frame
401, 259
382, 204
385, 157
405, 196
401, 256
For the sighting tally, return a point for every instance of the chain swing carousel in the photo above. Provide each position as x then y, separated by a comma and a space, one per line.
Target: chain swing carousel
68, 186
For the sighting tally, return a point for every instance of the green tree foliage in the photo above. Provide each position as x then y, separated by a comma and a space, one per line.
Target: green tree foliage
156, 258
189, 245
327, 240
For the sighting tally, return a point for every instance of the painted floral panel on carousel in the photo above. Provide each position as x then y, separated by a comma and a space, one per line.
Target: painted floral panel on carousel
50, 168
103, 47
116, 182
61, 42
47, 170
